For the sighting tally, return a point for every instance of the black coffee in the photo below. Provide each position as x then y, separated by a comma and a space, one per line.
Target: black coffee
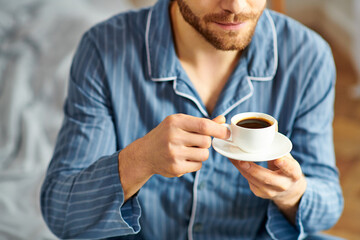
254, 123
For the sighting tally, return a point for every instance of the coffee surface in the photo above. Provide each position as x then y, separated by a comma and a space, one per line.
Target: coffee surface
254, 123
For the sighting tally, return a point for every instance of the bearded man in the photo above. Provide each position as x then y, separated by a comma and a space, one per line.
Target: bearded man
149, 89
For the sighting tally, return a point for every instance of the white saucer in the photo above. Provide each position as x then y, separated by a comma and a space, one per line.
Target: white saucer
280, 147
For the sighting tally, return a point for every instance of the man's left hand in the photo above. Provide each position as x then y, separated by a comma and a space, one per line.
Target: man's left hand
282, 182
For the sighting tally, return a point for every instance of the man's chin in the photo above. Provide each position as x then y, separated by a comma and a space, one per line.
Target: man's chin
229, 48
227, 44
228, 40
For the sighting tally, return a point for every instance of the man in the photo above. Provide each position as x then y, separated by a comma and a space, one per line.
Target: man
134, 154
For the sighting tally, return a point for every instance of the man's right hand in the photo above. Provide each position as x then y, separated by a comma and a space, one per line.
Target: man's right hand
178, 145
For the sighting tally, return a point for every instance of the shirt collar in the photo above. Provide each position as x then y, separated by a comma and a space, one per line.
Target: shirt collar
162, 63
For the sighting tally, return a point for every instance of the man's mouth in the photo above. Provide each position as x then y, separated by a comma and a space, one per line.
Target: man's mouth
230, 26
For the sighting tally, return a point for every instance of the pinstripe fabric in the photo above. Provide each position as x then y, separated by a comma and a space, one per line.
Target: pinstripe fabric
125, 79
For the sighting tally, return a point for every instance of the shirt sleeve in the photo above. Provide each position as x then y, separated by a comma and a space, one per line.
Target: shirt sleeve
82, 196
322, 203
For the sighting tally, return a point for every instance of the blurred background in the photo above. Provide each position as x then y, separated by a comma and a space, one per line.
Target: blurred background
37, 41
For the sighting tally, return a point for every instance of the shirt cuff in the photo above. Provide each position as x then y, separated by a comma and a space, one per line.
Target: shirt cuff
130, 210
279, 228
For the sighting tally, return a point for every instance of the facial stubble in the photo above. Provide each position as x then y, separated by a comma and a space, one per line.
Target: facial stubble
228, 41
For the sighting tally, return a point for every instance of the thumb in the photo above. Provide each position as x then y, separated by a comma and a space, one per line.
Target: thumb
220, 119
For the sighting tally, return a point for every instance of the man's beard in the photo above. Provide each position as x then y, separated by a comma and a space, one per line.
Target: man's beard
222, 41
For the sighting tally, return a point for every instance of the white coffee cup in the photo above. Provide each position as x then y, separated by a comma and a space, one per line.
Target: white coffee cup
255, 133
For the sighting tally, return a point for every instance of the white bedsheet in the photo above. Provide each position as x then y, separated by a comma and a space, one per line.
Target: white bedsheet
37, 41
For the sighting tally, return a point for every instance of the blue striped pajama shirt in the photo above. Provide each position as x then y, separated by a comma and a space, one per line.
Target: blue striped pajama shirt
126, 78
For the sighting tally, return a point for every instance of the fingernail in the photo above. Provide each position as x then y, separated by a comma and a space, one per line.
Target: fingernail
279, 162
228, 133
245, 165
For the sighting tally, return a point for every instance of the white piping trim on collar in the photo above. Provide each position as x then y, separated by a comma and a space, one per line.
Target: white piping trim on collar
163, 79
275, 47
147, 40
203, 111
147, 46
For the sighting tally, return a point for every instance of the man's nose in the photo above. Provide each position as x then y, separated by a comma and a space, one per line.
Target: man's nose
234, 6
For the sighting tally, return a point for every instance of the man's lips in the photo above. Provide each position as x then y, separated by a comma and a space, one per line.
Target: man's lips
230, 26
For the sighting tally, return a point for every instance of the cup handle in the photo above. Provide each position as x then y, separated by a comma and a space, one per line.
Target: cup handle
228, 127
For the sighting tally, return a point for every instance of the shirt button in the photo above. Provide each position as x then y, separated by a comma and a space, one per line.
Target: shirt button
202, 185
198, 227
